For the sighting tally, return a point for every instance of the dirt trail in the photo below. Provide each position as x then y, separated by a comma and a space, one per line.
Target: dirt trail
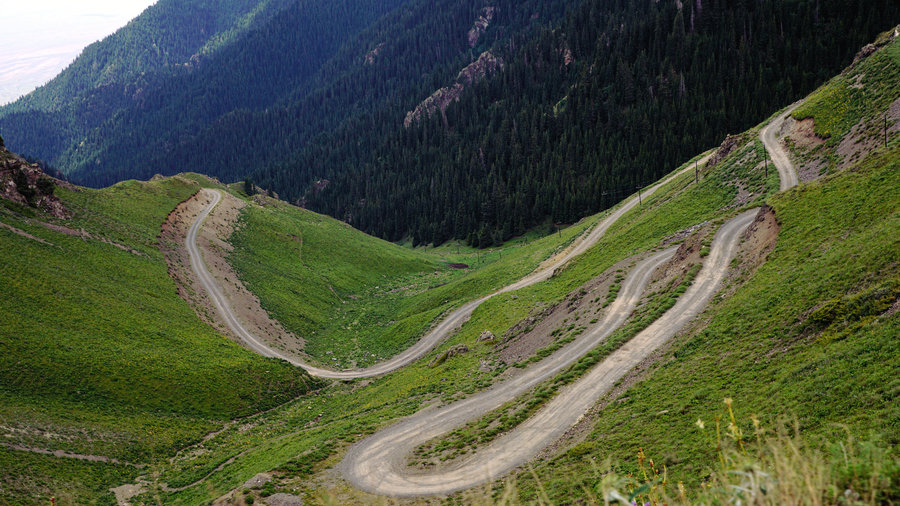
769, 135
211, 242
378, 463
24, 234
70, 455
438, 334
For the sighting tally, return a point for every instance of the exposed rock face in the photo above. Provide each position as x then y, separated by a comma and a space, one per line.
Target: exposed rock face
485, 65
28, 185
730, 143
568, 57
485, 336
372, 55
459, 349
438, 101
869, 49
481, 24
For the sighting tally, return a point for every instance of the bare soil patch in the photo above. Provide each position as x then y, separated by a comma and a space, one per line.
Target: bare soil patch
802, 139
893, 115
213, 244
759, 239
803, 132
867, 135
728, 146
125, 492
580, 306
859, 142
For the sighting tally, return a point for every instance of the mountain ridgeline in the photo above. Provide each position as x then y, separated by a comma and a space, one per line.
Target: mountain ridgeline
584, 102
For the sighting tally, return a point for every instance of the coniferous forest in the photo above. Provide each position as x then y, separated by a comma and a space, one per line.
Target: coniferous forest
590, 100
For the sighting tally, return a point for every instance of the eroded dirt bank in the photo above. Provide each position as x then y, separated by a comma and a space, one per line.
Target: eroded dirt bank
213, 243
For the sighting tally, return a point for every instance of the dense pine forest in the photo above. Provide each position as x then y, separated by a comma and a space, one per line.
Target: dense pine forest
648, 85
588, 101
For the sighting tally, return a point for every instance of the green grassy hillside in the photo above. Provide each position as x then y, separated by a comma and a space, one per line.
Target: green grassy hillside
98, 354
358, 299
810, 336
100, 357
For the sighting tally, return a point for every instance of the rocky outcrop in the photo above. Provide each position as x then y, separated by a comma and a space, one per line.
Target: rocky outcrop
485, 65
870, 49
459, 349
372, 55
730, 143
485, 337
481, 24
27, 184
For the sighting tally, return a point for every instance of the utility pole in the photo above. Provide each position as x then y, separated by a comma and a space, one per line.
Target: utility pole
640, 201
696, 171
766, 161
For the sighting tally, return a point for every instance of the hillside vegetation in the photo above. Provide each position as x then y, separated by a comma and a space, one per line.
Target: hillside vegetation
357, 300
101, 362
98, 355
308, 435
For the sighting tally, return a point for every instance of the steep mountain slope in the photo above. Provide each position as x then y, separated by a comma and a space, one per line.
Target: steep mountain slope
102, 362
578, 94
98, 355
174, 70
168, 33
579, 117
105, 370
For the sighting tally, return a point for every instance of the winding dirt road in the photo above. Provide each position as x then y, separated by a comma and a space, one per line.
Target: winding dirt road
378, 463
439, 333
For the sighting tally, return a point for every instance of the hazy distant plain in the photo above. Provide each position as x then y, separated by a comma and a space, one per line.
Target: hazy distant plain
41, 37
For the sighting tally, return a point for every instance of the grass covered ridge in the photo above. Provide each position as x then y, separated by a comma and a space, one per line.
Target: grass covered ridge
98, 354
